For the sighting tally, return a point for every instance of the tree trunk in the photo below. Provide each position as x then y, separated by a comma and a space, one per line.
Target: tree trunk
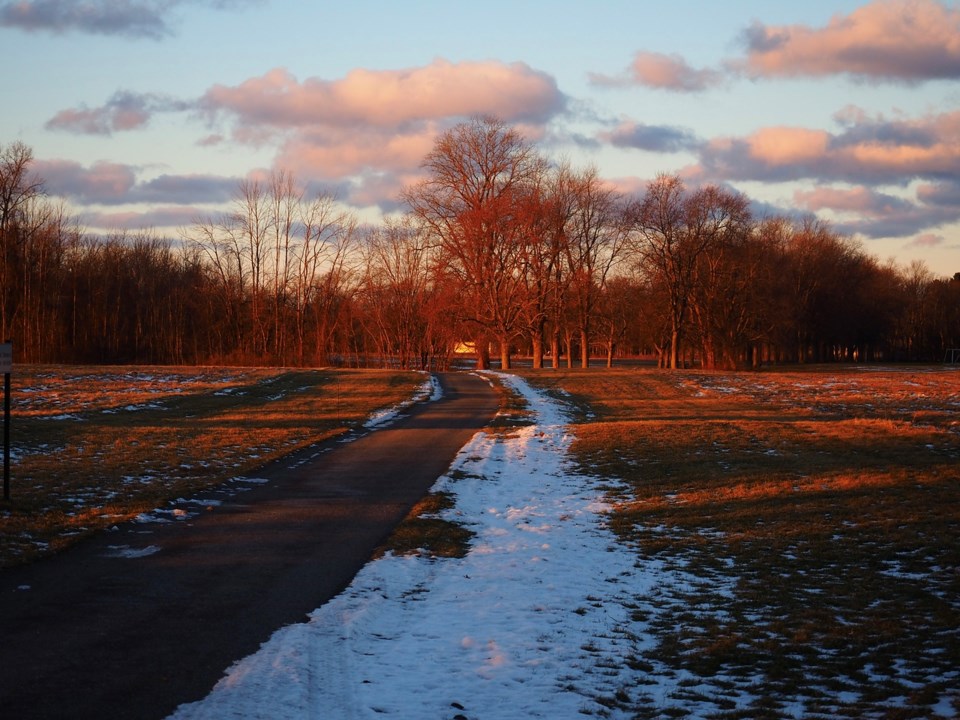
709, 359
674, 347
555, 350
483, 355
537, 351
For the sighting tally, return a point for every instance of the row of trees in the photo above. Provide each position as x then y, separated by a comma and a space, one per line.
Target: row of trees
498, 248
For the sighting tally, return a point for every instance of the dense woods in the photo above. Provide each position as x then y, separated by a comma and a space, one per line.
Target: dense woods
498, 248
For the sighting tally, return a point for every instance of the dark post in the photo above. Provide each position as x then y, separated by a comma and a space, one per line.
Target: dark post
6, 436
6, 429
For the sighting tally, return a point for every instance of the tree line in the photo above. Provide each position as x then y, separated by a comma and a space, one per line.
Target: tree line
498, 251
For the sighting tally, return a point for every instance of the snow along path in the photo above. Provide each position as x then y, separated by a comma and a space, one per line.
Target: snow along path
524, 626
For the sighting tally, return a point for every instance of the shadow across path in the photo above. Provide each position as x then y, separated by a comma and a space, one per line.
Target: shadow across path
133, 623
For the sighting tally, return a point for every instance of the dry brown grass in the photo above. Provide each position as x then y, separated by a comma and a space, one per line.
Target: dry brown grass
425, 533
94, 446
815, 515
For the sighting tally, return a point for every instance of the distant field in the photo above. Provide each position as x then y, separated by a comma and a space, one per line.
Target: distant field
95, 446
815, 515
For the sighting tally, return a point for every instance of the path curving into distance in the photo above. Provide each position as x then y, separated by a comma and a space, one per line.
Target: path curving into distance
132, 623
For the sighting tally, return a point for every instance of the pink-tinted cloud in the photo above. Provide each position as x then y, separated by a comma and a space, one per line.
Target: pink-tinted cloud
379, 190
905, 41
369, 128
927, 240
631, 186
832, 198
869, 152
902, 40
102, 182
860, 200
340, 153
390, 98
106, 183
369, 165
123, 111
866, 150
870, 212
372, 129
158, 217
664, 72
787, 145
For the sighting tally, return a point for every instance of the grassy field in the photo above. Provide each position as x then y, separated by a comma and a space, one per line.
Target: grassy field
810, 518
93, 446
815, 517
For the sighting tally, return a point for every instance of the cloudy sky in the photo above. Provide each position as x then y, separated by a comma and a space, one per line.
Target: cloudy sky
147, 113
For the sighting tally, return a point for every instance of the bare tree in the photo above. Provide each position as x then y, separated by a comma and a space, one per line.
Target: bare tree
19, 191
499, 249
327, 236
675, 228
724, 275
542, 224
280, 262
219, 246
617, 304
396, 286
916, 282
477, 174
943, 309
819, 265
285, 201
251, 224
595, 236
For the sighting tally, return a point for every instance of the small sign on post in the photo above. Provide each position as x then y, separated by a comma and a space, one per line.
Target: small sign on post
6, 367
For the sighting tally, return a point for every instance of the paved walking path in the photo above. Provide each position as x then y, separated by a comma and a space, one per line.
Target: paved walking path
99, 633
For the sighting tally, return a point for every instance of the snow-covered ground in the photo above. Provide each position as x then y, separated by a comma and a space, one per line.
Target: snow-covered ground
528, 624
549, 615
429, 390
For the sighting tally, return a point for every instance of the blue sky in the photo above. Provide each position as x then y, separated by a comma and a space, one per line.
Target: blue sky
147, 113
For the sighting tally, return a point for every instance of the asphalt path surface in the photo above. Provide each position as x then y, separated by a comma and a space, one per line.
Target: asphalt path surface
134, 622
